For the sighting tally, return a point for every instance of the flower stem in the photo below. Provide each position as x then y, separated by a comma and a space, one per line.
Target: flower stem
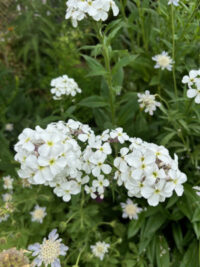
173, 51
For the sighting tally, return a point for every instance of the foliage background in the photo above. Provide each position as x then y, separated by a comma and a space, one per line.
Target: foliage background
36, 45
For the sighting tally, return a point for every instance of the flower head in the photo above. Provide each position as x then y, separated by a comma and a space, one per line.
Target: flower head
193, 82
163, 61
49, 251
97, 9
9, 127
38, 214
64, 86
148, 102
173, 2
130, 210
13, 257
100, 249
7, 197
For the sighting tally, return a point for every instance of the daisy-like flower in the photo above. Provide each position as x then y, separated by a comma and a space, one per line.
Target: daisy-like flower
173, 2
148, 102
38, 214
49, 251
8, 182
163, 61
100, 249
119, 135
130, 210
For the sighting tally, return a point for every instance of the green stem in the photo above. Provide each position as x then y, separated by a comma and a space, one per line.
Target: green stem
173, 51
141, 21
106, 56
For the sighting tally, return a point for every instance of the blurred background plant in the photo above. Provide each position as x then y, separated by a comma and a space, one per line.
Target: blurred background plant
36, 45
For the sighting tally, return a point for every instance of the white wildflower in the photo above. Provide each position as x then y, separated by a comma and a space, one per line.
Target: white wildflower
173, 2
49, 251
64, 86
163, 61
38, 214
130, 210
148, 102
100, 249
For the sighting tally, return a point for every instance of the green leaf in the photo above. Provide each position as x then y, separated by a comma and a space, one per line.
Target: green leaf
123, 62
162, 252
96, 69
93, 102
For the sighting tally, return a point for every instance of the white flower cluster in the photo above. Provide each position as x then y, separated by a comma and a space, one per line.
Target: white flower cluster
193, 82
64, 86
53, 157
147, 170
97, 9
67, 156
100, 249
148, 102
163, 61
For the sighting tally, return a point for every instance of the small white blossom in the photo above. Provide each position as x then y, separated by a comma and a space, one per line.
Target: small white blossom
64, 86
193, 82
38, 214
9, 127
148, 102
119, 135
100, 249
8, 182
163, 61
130, 210
49, 251
173, 2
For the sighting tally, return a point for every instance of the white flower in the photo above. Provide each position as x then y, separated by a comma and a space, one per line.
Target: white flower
91, 190
100, 183
100, 249
49, 251
177, 178
157, 193
8, 182
194, 76
100, 165
9, 127
64, 86
195, 93
119, 135
148, 102
7, 197
67, 189
163, 61
173, 2
97, 9
130, 210
38, 214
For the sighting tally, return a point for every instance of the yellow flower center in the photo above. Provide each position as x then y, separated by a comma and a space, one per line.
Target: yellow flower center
131, 209
163, 61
